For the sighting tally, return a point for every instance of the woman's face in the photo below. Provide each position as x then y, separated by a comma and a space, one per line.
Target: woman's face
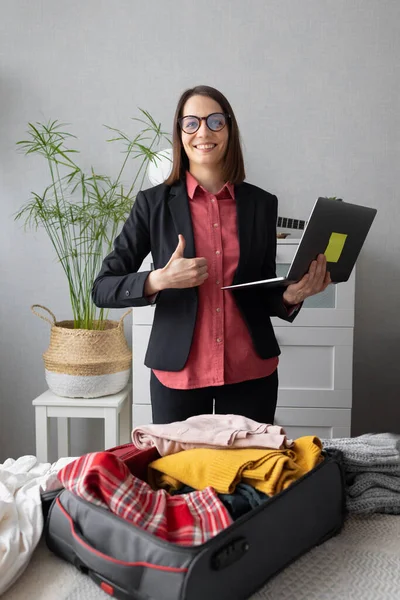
204, 148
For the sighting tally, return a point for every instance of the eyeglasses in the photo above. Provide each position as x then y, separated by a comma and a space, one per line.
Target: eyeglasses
214, 122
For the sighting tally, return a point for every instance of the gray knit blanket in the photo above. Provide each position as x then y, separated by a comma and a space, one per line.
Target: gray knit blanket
372, 472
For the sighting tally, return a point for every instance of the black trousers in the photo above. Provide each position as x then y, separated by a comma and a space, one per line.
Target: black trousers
255, 399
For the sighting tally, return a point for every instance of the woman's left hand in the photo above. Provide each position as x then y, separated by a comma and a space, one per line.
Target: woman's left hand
315, 281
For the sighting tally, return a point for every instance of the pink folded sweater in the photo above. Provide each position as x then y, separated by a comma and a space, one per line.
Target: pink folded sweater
210, 431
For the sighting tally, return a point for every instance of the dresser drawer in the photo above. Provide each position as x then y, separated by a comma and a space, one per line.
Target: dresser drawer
140, 373
141, 415
285, 252
323, 422
143, 315
315, 367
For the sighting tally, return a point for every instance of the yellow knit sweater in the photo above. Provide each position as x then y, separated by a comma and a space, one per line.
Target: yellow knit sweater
269, 471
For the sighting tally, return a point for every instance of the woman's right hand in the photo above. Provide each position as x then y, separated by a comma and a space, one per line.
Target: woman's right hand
179, 272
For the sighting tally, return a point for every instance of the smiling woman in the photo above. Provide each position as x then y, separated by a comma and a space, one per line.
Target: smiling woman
205, 140
205, 117
209, 349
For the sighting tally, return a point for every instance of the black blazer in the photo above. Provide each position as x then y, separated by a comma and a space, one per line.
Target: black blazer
158, 215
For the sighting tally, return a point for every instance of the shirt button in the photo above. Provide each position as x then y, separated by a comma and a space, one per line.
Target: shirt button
218, 309
212, 199
215, 225
217, 282
219, 340
217, 252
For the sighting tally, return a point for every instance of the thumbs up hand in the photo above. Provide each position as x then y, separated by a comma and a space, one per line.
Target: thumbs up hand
179, 272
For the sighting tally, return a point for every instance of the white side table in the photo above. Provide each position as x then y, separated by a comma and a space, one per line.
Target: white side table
114, 409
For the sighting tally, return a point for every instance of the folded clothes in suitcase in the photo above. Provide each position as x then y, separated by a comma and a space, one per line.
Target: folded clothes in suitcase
132, 564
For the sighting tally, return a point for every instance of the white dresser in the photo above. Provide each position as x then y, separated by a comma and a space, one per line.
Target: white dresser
315, 369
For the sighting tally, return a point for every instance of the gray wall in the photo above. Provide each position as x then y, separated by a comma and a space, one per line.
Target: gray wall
316, 87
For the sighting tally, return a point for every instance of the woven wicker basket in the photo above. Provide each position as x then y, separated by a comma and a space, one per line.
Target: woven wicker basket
86, 363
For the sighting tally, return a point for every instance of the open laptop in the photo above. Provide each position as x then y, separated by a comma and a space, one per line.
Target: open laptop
335, 228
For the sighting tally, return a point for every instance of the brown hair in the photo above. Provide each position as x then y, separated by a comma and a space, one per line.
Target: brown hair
233, 168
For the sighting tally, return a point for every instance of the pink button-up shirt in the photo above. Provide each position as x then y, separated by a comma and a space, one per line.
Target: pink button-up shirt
222, 351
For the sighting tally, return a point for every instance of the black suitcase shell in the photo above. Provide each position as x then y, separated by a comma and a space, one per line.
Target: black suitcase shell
131, 564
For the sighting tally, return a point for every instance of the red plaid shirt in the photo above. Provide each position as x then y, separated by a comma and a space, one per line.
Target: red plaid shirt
105, 480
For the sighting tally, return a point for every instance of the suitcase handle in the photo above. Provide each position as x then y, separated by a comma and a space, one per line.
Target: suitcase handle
229, 553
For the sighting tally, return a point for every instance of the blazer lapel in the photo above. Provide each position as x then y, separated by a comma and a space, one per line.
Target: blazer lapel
179, 206
245, 219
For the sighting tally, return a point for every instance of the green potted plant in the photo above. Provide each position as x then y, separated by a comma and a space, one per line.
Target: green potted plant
81, 213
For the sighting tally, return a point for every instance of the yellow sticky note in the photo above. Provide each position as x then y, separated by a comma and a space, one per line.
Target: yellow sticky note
335, 246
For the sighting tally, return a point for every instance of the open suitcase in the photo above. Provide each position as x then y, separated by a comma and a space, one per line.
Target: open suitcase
132, 564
